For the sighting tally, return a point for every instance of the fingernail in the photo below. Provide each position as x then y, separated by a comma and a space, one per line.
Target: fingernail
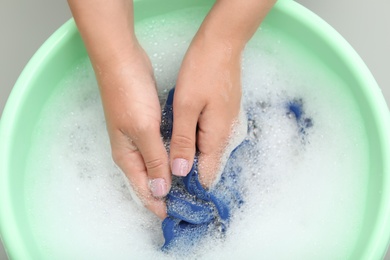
180, 167
158, 187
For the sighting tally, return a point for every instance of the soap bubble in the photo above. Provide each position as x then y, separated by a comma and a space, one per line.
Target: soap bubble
300, 188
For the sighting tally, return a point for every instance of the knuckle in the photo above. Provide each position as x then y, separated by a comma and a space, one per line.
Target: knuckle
184, 101
155, 164
141, 127
182, 142
187, 103
117, 156
120, 155
206, 148
208, 144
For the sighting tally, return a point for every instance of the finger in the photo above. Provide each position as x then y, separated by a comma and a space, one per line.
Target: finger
213, 138
185, 117
131, 162
155, 159
135, 171
211, 149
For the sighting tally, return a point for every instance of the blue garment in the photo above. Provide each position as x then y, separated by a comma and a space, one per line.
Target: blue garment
295, 107
193, 211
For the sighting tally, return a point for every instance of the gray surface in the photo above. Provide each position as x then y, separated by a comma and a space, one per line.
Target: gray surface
25, 25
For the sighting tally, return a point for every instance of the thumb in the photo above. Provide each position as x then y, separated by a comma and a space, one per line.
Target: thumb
155, 158
182, 149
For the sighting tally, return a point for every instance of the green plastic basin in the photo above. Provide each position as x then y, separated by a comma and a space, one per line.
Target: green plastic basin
65, 47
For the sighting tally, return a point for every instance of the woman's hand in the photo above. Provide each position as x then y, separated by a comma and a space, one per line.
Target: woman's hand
207, 96
206, 105
133, 116
129, 96
208, 90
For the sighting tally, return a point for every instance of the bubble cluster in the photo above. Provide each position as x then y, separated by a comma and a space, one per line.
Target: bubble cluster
301, 198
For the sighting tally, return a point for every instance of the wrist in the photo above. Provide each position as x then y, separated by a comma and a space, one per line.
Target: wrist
212, 32
234, 21
128, 67
106, 28
114, 51
215, 49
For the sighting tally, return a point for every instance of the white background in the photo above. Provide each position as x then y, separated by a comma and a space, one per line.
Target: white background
26, 24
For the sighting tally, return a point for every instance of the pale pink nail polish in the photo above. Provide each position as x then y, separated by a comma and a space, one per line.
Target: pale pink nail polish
180, 167
158, 187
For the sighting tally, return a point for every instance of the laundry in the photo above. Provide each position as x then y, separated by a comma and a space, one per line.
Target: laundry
195, 212
192, 210
295, 109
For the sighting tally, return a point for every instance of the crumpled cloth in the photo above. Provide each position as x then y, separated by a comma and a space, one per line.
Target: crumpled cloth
195, 212
192, 210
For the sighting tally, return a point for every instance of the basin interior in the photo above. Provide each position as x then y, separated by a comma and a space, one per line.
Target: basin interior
58, 56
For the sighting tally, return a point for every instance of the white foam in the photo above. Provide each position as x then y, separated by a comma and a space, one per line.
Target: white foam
303, 196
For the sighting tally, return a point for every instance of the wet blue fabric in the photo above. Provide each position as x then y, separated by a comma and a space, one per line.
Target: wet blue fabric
295, 108
193, 211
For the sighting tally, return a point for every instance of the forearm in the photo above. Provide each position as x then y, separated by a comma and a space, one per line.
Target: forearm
233, 22
208, 88
107, 28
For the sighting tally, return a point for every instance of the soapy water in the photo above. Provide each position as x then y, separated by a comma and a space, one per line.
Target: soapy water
303, 191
